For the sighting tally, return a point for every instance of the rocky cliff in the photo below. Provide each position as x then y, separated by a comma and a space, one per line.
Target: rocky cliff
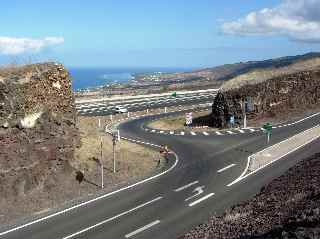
271, 97
38, 133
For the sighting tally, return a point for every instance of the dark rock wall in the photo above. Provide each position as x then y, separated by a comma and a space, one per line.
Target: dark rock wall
275, 96
37, 128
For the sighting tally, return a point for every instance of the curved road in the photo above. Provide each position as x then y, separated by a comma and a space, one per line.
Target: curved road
170, 205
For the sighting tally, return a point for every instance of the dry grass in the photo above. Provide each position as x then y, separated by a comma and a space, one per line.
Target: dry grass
132, 161
257, 76
174, 122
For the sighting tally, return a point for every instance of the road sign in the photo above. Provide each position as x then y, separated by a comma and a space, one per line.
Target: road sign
174, 94
268, 129
188, 118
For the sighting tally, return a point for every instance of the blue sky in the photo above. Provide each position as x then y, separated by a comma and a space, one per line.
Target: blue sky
145, 33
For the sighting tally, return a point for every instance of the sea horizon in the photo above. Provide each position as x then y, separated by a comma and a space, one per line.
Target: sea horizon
93, 77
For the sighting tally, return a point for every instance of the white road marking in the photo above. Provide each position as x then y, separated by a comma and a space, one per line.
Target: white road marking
161, 132
205, 133
153, 130
112, 218
218, 133
198, 191
244, 175
171, 132
241, 131
230, 132
252, 130
201, 199
142, 229
225, 168
186, 186
182, 133
193, 133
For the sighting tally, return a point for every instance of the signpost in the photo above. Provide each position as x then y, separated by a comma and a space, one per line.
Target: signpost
174, 94
188, 119
268, 129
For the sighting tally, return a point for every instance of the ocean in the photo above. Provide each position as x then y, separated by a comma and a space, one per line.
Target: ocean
83, 78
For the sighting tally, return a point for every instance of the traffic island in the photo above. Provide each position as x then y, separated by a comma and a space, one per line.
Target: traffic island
275, 152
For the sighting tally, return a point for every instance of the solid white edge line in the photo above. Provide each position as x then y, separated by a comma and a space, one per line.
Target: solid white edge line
142, 229
201, 199
112, 218
186, 186
243, 174
225, 168
95, 199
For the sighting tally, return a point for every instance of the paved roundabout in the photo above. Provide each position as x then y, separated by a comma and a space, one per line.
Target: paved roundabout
196, 183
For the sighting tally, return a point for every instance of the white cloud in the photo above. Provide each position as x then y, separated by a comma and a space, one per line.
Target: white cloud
297, 19
15, 46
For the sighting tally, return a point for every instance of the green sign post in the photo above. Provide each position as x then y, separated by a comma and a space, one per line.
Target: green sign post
268, 129
174, 94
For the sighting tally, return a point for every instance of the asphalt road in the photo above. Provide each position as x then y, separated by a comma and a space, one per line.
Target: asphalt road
133, 105
172, 204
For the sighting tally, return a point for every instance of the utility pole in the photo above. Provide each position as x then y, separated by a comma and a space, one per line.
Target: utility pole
101, 163
114, 141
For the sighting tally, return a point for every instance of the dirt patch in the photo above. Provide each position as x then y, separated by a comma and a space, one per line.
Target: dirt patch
174, 122
133, 162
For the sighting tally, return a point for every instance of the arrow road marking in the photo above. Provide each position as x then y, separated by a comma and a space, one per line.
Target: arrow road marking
186, 186
198, 191
142, 229
201, 199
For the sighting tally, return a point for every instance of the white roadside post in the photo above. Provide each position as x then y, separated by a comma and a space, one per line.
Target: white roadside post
119, 135
165, 109
128, 114
99, 123
114, 139
244, 115
111, 118
101, 163
147, 111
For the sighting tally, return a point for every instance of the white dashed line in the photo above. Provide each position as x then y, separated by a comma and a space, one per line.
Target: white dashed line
112, 218
142, 229
161, 132
218, 133
193, 133
230, 132
153, 130
205, 133
252, 130
241, 131
182, 133
201, 199
225, 168
186, 186
171, 132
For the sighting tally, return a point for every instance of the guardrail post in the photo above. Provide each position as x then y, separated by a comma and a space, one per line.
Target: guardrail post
111, 117
165, 109
128, 114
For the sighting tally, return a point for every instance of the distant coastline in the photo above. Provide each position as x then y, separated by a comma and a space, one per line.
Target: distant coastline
93, 78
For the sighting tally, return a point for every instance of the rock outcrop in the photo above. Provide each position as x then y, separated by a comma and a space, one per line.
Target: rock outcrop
268, 98
38, 131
